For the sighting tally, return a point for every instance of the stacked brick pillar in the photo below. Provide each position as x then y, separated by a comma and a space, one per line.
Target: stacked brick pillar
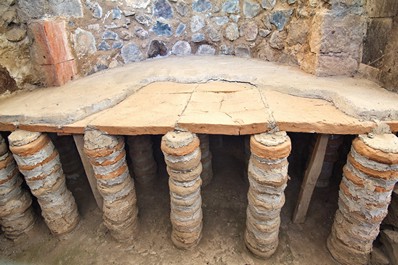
183, 156
108, 158
268, 177
16, 215
39, 162
365, 193
207, 167
141, 154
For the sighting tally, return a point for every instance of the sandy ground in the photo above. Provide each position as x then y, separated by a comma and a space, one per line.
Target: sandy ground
224, 207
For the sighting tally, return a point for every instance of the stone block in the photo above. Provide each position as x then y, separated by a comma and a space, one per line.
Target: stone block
50, 42
382, 8
60, 73
378, 34
389, 71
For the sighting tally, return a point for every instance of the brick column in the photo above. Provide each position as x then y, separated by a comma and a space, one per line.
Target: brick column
108, 159
141, 154
16, 215
207, 166
365, 193
182, 156
39, 162
267, 177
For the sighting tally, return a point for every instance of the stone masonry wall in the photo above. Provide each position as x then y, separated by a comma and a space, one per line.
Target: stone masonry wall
380, 55
323, 37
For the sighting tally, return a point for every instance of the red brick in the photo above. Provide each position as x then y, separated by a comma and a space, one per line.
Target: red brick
51, 44
60, 73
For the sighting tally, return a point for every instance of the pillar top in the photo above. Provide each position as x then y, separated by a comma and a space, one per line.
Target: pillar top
21, 137
95, 139
177, 139
271, 139
387, 143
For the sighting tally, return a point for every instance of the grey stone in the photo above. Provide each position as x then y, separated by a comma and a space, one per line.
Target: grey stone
138, 3
197, 23
110, 35
84, 42
216, 9
181, 48
157, 49
232, 31
230, 6
97, 11
95, 27
264, 32
33, 9
16, 34
291, 2
268, 4
198, 37
162, 29
249, 30
131, 53
250, 8
143, 19
226, 50
280, 18
117, 45
220, 20
242, 51
277, 40
128, 13
201, 5
214, 34
266, 22
116, 13
71, 8
205, 49
104, 46
141, 33
100, 67
234, 18
162, 8
180, 29
182, 8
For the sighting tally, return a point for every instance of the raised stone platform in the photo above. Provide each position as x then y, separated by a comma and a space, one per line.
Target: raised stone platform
212, 95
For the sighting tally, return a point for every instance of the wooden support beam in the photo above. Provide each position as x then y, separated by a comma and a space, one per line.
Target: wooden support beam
79, 141
310, 178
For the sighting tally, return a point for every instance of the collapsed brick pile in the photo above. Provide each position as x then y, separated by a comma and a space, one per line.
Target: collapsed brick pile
39, 162
108, 158
16, 215
207, 167
141, 154
268, 177
183, 156
365, 193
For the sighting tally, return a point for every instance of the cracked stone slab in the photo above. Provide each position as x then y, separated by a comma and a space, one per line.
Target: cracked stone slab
72, 107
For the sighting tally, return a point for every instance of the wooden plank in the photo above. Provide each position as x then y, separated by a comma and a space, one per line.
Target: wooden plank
79, 141
310, 178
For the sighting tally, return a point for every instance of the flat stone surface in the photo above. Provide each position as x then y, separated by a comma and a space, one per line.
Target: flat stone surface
247, 99
20, 137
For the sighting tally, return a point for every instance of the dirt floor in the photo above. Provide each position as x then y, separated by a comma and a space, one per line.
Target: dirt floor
224, 210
